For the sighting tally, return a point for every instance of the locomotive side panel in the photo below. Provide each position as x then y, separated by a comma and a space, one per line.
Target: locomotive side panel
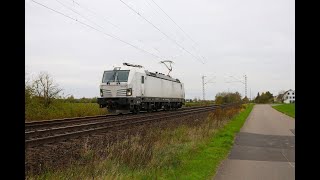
157, 87
136, 84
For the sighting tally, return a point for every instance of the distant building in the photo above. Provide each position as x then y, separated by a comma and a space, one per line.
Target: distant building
289, 96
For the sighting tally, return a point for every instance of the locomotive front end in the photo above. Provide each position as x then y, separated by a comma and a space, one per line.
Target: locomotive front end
114, 91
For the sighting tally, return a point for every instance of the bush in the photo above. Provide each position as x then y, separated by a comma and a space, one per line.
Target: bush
226, 97
36, 110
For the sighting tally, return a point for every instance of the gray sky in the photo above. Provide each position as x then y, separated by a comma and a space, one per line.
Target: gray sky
252, 37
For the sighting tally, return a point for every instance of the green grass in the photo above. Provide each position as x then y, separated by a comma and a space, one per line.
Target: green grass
203, 165
185, 152
288, 109
36, 111
199, 103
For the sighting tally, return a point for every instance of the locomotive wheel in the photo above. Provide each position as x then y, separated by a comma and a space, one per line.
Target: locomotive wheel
149, 108
137, 109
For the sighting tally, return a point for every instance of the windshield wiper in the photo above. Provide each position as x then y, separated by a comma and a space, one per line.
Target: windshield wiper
115, 77
118, 79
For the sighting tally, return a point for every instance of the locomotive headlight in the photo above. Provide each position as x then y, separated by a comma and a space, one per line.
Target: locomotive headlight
129, 92
101, 93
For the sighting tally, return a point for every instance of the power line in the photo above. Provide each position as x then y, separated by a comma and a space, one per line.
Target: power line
160, 30
97, 30
165, 21
156, 12
174, 22
93, 12
176, 25
78, 13
104, 19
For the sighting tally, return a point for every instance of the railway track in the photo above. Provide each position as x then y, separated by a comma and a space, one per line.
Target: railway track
51, 131
47, 124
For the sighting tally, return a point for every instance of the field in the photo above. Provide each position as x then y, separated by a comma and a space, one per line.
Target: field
183, 152
36, 111
199, 103
288, 109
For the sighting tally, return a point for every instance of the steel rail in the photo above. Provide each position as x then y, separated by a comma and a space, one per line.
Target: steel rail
32, 134
143, 119
29, 126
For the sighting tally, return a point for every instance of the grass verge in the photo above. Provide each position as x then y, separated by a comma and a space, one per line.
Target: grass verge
188, 151
288, 109
203, 165
36, 111
200, 103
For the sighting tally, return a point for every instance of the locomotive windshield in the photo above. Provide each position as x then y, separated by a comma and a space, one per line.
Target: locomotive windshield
115, 76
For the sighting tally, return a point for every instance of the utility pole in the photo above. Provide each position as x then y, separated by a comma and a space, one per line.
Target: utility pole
203, 93
203, 84
245, 80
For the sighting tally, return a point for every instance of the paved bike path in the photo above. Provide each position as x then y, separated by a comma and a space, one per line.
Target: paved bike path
263, 149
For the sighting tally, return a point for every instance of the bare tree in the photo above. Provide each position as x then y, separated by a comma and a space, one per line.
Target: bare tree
280, 96
28, 91
44, 87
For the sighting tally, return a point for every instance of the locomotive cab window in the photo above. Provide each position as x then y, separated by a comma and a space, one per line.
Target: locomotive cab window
142, 79
115, 76
122, 76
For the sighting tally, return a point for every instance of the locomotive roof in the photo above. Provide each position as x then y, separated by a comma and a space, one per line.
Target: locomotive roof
154, 74
162, 76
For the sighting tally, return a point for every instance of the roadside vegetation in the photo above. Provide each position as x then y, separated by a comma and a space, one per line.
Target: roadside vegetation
264, 98
229, 97
35, 110
187, 151
43, 100
288, 109
198, 103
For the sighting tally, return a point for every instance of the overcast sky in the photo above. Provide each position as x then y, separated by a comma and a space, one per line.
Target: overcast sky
232, 37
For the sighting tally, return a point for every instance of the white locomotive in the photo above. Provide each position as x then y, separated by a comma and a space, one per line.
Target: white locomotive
130, 88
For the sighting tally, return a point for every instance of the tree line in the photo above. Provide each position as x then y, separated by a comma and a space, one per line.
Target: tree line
43, 90
265, 97
229, 97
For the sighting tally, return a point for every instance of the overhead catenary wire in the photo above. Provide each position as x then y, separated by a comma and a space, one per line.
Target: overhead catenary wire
165, 21
156, 12
109, 35
78, 13
173, 21
97, 14
187, 35
161, 31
